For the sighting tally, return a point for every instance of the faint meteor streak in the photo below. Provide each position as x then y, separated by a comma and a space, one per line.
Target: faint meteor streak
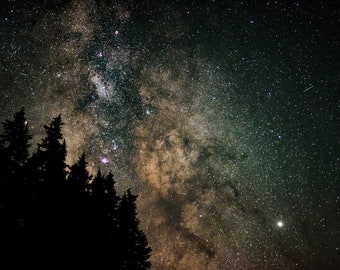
308, 88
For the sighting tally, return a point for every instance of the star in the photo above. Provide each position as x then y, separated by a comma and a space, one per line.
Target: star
280, 224
217, 131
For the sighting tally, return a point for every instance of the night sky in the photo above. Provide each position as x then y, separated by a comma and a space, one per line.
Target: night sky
222, 116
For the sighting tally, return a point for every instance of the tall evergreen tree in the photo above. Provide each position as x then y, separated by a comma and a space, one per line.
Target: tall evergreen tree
54, 222
14, 141
111, 190
14, 188
14, 146
98, 186
78, 216
102, 224
134, 248
49, 160
48, 219
79, 177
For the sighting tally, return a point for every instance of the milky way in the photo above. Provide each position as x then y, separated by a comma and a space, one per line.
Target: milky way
221, 116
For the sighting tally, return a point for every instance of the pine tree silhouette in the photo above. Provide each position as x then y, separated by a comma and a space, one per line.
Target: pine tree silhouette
134, 252
15, 139
103, 222
78, 215
79, 177
48, 222
52, 218
52, 154
14, 188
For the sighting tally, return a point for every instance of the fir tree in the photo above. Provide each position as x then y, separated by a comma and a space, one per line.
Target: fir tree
14, 188
98, 186
79, 177
78, 215
48, 214
49, 160
111, 190
14, 141
57, 219
14, 145
134, 249
103, 223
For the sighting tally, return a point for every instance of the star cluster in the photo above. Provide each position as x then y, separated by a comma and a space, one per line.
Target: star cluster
222, 116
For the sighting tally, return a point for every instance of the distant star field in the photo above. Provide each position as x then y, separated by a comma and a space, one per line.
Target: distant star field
223, 116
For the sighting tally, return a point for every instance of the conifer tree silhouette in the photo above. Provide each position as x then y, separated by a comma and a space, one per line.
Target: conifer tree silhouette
102, 224
14, 145
15, 138
134, 249
52, 218
78, 216
52, 154
79, 177
14, 188
47, 217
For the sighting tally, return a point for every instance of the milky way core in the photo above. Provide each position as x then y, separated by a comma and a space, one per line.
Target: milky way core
221, 116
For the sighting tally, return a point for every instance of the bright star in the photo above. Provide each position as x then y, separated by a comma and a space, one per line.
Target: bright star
279, 224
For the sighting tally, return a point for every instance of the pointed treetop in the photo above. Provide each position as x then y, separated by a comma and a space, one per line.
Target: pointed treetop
15, 137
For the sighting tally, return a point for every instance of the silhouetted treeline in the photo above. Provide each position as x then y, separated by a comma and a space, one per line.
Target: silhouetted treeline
55, 216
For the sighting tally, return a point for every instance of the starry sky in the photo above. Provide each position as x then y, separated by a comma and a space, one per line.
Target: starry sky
221, 115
